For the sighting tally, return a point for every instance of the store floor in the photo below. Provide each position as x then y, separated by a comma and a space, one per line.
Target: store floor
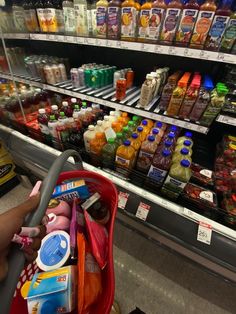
154, 279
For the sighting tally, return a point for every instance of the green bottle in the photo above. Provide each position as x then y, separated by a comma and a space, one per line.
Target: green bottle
229, 37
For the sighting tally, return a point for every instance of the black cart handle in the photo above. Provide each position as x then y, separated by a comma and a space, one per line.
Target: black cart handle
16, 259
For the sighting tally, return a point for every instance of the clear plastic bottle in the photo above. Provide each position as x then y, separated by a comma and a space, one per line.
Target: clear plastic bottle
18, 16
125, 156
69, 16
31, 21
109, 153
101, 18
146, 154
88, 136
81, 22
184, 153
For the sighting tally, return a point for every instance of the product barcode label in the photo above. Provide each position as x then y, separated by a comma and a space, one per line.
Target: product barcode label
142, 211
123, 198
204, 233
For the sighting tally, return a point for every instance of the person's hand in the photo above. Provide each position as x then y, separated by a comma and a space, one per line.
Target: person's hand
10, 224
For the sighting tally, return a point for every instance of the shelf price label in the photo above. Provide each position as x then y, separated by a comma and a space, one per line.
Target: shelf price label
123, 198
204, 233
142, 211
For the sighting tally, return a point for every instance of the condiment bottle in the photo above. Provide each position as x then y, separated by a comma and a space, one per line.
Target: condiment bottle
113, 19
203, 24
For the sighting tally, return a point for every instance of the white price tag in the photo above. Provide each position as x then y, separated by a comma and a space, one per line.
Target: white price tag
172, 51
118, 44
158, 49
142, 211
47, 37
98, 42
204, 233
79, 40
123, 198
221, 56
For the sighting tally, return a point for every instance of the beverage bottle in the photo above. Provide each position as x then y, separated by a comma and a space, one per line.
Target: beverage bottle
96, 145
203, 24
116, 126
117, 113
126, 132
187, 22
178, 177
184, 153
150, 123
126, 118
88, 136
125, 156
59, 16
145, 126
144, 21
157, 17
146, 153
31, 21
76, 108
109, 153
171, 22
170, 138
187, 136
50, 16
189, 99
161, 126
97, 111
113, 19
119, 139
136, 120
220, 21
69, 16
62, 130
55, 111
52, 126
40, 9
67, 109
135, 143
203, 99
43, 125
168, 90
229, 36
112, 116
186, 144
106, 123
18, 16
157, 77
84, 119
76, 138
156, 134
128, 20
74, 102
99, 127
101, 18
147, 91
81, 22
122, 121
159, 168
131, 126
141, 134
92, 21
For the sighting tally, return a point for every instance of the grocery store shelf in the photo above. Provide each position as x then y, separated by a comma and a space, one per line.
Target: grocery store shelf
106, 98
142, 47
164, 217
222, 118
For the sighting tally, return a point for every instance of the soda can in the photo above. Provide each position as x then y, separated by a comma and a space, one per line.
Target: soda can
49, 74
102, 77
74, 74
57, 73
116, 77
130, 78
81, 76
121, 89
87, 77
62, 69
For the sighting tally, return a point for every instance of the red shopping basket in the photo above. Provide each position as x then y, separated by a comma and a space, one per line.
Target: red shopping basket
95, 183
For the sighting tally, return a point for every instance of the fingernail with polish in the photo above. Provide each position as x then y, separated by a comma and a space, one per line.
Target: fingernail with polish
29, 232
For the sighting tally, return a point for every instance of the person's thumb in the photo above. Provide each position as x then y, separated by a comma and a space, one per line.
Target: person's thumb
22, 210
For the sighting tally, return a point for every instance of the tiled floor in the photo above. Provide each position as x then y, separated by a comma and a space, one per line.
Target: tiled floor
154, 279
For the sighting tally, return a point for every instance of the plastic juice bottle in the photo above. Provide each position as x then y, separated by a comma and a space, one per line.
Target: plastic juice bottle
220, 21
186, 144
109, 153
88, 136
142, 135
203, 24
52, 126
187, 22
126, 132
67, 109
125, 116
170, 139
41, 16
177, 179
184, 153
187, 136
51, 17
81, 23
168, 90
150, 123
116, 126
128, 20
18, 16
62, 129
156, 134
99, 127
84, 119
171, 21
203, 100
189, 99
146, 153
144, 21
30, 15
69, 16
43, 124
147, 91
112, 116
146, 128
125, 156
96, 145
156, 20
159, 130
229, 36
159, 168
131, 126
160, 125
59, 16
101, 18
97, 110
135, 142
119, 139
113, 19
55, 111
106, 123
136, 120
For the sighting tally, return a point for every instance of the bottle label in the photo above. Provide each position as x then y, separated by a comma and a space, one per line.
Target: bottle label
202, 27
144, 160
60, 20
155, 22
92, 23
113, 21
128, 22
31, 20
42, 20
217, 30
174, 185
174, 105
101, 21
81, 19
144, 24
69, 19
51, 20
156, 174
19, 19
186, 25
170, 24
230, 32
122, 161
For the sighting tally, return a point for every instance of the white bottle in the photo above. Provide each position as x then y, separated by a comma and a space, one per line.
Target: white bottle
88, 136
112, 116
81, 22
106, 123
52, 126
117, 113
99, 127
69, 16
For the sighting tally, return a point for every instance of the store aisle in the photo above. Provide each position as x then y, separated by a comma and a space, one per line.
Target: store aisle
154, 279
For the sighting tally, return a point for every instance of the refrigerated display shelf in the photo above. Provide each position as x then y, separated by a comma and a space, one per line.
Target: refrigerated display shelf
159, 216
106, 97
222, 118
136, 46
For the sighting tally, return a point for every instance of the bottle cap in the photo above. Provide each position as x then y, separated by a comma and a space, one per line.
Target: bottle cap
166, 152
134, 135
187, 143
124, 114
173, 128
65, 104
139, 128
70, 120
84, 104
144, 122
42, 111
185, 163
155, 131
168, 143
184, 151
62, 114
106, 118
54, 107
76, 106
135, 118
151, 138
159, 125
91, 127
125, 128
127, 143
171, 135
119, 135
131, 123
99, 122
111, 140
73, 100
89, 109
188, 134
112, 113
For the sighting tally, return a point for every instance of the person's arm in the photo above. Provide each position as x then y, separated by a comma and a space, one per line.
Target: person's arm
10, 224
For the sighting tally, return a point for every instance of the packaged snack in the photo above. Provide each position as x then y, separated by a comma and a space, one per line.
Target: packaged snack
202, 175
71, 190
96, 208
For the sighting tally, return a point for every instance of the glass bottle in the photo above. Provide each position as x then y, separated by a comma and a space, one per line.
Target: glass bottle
69, 16
81, 23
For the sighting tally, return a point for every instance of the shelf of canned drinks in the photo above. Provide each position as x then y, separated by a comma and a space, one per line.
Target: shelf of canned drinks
106, 96
118, 44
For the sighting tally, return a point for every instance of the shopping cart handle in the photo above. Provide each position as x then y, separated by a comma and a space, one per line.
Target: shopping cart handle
16, 259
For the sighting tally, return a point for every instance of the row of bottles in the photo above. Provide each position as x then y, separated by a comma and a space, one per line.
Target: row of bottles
199, 26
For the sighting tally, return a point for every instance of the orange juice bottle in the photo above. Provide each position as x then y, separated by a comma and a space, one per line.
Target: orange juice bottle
96, 145
125, 156
146, 128
141, 134
125, 116
128, 20
150, 123
144, 19
116, 126
135, 142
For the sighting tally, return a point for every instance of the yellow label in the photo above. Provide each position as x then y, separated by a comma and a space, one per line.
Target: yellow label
6, 169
